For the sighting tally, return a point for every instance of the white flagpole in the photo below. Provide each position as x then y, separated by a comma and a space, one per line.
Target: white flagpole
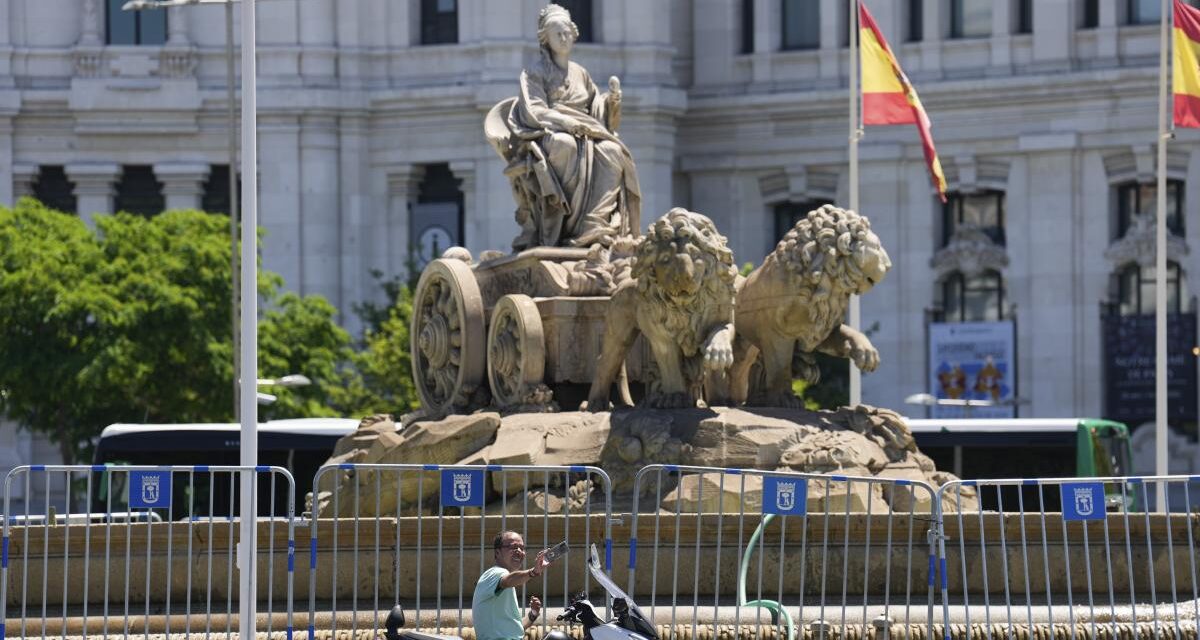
247, 547
855, 317
1160, 260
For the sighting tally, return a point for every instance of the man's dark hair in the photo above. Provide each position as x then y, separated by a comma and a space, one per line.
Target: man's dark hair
498, 541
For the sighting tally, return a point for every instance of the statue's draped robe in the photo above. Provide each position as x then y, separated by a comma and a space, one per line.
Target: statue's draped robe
587, 184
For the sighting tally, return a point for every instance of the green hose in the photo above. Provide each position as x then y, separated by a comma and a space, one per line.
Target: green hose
777, 610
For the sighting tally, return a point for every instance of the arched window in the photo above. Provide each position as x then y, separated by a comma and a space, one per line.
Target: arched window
976, 298
439, 21
984, 210
1135, 289
801, 24
787, 214
970, 18
147, 26
1136, 199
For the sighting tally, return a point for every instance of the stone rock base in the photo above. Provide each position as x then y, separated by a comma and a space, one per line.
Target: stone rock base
863, 441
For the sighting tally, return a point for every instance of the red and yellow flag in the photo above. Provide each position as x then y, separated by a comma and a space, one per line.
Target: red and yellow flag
1186, 80
888, 96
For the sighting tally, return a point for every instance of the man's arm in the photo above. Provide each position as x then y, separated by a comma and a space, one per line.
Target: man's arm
518, 578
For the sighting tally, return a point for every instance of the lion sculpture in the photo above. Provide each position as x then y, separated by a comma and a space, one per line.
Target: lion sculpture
794, 303
681, 298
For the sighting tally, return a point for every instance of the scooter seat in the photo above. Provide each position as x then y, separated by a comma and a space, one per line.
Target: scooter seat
418, 635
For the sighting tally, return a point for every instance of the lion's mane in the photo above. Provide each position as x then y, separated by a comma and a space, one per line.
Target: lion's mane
819, 254
683, 232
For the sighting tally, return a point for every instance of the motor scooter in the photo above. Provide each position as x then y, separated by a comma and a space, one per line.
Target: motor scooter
628, 623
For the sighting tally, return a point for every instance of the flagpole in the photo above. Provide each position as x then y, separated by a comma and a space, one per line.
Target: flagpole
1160, 262
854, 311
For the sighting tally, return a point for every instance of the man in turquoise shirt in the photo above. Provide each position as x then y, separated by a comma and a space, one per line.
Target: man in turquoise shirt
494, 606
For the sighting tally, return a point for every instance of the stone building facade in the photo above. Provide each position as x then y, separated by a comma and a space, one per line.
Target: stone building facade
370, 143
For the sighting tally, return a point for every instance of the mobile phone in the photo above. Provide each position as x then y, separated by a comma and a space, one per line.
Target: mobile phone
557, 551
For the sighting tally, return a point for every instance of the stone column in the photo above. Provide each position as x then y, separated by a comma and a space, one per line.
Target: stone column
768, 36
177, 27
183, 183
715, 43
356, 211
318, 39
1051, 274
933, 33
393, 243
1053, 33
95, 187
279, 195
834, 32
320, 228
6, 161
91, 24
24, 175
9, 13
1003, 17
1107, 46
474, 222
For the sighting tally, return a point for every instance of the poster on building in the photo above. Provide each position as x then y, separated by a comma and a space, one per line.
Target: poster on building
1129, 367
972, 360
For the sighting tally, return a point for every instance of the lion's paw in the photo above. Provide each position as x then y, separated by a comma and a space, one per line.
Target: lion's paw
670, 401
784, 399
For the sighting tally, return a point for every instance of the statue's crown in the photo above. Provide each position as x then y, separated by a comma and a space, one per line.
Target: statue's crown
552, 11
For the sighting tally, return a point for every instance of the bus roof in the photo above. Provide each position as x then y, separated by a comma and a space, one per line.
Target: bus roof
303, 426
1000, 425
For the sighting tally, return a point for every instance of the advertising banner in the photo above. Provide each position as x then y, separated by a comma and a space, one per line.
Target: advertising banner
972, 360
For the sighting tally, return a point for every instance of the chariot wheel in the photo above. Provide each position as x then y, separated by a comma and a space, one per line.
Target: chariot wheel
447, 339
516, 350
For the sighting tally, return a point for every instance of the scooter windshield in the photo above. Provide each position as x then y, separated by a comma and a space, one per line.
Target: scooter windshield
611, 587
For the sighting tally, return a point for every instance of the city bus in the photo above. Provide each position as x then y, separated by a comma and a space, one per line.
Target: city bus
979, 448
300, 445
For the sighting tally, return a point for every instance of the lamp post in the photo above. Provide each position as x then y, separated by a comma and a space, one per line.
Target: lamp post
248, 371
288, 381
231, 116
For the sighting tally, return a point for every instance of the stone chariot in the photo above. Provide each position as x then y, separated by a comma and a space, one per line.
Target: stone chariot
531, 323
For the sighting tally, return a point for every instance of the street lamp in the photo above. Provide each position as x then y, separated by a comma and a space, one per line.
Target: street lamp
231, 115
928, 400
288, 381
248, 367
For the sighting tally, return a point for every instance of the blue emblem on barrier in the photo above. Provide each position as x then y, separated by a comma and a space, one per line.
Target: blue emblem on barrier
785, 495
1083, 501
462, 488
149, 489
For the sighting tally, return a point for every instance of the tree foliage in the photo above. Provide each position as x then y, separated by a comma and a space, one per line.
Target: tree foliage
378, 378
131, 322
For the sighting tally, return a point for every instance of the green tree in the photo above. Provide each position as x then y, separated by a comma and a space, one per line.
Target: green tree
378, 377
131, 323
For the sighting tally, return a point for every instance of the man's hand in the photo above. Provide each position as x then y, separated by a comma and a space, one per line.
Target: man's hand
539, 564
535, 610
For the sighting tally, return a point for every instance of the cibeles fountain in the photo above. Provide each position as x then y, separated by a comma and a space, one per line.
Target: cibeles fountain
602, 342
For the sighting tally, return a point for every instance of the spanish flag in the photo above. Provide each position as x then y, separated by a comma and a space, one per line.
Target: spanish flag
1186, 85
888, 96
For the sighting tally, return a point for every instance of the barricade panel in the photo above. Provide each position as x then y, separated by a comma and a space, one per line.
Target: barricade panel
420, 536
781, 554
1070, 557
141, 549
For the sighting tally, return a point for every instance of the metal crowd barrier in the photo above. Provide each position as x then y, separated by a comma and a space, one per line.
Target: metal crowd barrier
156, 538
842, 555
425, 545
1067, 557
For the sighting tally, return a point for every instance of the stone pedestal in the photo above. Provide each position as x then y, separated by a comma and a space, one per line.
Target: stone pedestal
95, 187
183, 183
